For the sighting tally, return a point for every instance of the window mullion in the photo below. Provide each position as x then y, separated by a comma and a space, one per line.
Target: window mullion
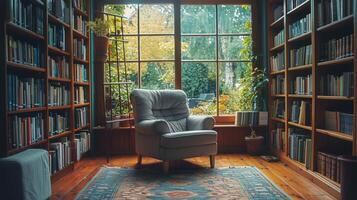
217, 67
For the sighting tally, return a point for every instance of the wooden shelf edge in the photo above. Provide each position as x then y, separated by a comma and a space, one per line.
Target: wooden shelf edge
301, 37
54, 19
335, 134
81, 105
309, 128
335, 24
278, 22
25, 67
63, 134
17, 150
336, 62
298, 8
277, 72
341, 98
277, 48
58, 51
22, 30
51, 108
65, 80
301, 96
300, 68
278, 120
27, 110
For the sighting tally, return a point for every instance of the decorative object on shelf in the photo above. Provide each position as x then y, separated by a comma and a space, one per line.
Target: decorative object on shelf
100, 27
348, 177
254, 143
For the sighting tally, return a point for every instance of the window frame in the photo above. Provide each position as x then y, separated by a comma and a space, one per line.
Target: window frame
177, 37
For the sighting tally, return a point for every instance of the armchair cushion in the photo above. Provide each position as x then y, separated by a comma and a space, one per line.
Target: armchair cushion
188, 138
200, 123
152, 127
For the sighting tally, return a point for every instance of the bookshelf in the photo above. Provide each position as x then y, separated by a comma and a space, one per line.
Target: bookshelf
316, 57
51, 78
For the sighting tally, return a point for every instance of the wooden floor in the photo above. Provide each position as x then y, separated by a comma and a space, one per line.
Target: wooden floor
291, 182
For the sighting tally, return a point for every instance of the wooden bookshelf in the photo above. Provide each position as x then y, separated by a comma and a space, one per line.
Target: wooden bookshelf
322, 139
10, 28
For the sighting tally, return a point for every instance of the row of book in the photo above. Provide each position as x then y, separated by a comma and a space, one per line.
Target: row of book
301, 112
329, 166
58, 122
278, 108
80, 4
24, 52
336, 48
279, 38
278, 85
80, 24
338, 84
82, 143
278, 11
333, 10
248, 118
60, 9
58, 67
339, 121
25, 92
57, 36
58, 94
291, 4
277, 62
60, 154
81, 117
25, 130
80, 48
278, 138
300, 27
81, 74
300, 144
27, 14
301, 56
302, 85
80, 94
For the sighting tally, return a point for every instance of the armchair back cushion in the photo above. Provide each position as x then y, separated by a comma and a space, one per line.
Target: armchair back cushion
169, 105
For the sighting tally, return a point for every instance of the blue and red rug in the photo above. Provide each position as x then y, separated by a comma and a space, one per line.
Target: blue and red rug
226, 183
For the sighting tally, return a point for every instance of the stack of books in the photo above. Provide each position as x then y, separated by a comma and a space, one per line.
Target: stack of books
24, 92
302, 85
333, 10
57, 36
60, 9
81, 117
58, 94
58, 67
300, 144
279, 136
277, 62
301, 112
25, 130
60, 155
300, 56
24, 52
82, 142
80, 95
79, 49
329, 166
279, 38
339, 121
80, 24
340, 84
278, 11
27, 15
278, 85
336, 48
247, 118
300, 27
279, 108
81, 74
291, 4
58, 122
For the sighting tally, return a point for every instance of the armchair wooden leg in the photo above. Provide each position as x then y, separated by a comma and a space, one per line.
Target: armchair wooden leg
140, 159
212, 160
166, 166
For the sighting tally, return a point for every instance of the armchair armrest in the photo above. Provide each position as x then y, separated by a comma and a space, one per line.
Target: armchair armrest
200, 123
152, 127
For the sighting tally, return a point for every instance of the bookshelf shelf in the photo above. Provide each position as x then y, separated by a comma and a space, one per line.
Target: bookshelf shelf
309, 128
63, 134
277, 72
278, 120
82, 83
27, 110
346, 21
277, 48
17, 150
278, 23
18, 66
81, 61
299, 9
301, 38
63, 80
342, 136
54, 19
58, 51
81, 105
81, 128
59, 107
339, 98
278, 95
19, 30
80, 12
79, 34
300, 96
300, 68
341, 61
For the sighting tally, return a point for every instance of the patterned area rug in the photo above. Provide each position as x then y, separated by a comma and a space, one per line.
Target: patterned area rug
226, 183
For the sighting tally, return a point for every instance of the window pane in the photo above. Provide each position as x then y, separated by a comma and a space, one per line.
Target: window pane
199, 82
198, 48
158, 75
156, 18
157, 47
235, 47
233, 97
234, 19
131, 48
130, 11
198, 19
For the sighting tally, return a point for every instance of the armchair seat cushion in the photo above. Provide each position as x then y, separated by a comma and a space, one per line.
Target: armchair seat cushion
188, 139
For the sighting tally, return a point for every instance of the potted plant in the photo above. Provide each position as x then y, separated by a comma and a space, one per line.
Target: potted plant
100, 27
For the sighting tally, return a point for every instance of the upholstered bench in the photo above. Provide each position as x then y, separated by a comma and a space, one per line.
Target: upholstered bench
25, 175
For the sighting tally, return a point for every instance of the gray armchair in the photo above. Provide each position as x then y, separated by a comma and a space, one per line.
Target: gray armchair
164, 130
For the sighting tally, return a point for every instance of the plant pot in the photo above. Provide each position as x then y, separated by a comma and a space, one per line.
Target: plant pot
255, 145
101, 48
348, 177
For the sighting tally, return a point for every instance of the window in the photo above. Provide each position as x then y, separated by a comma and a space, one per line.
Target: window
215, 52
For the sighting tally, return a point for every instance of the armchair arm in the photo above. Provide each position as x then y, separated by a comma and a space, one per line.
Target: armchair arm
152, 127
200, 123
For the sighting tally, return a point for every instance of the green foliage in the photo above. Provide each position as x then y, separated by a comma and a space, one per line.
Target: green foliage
99, 26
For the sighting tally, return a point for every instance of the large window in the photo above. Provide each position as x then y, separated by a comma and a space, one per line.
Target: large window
215, 51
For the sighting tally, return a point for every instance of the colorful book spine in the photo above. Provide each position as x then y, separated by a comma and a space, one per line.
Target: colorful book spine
300, 56
58, 94
60, 155
81, 117
58, 67
301, 85
58, 122
277, 62
298, 141
24, 52
278, 85
333, 10
79, 48
80, 95
336, 48
81, 74
82, 143
300, 27
57, 36
338, 84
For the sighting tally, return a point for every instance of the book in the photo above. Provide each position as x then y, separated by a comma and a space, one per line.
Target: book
279, 135
338, 121
337, 84
80, 24
81, 74
279, 38
79, 48
81, 117
58, 67
300, 56
60, 154
278, 11
278, 108
277, 62
278, 85
247, 118
301, 85
82, 143
80, 94
301, 112
57, 36
297, 143
58, 122
336, 48
80, 4
333, 10
328, 165
301, 26
58, 94
291, 4
59, 9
